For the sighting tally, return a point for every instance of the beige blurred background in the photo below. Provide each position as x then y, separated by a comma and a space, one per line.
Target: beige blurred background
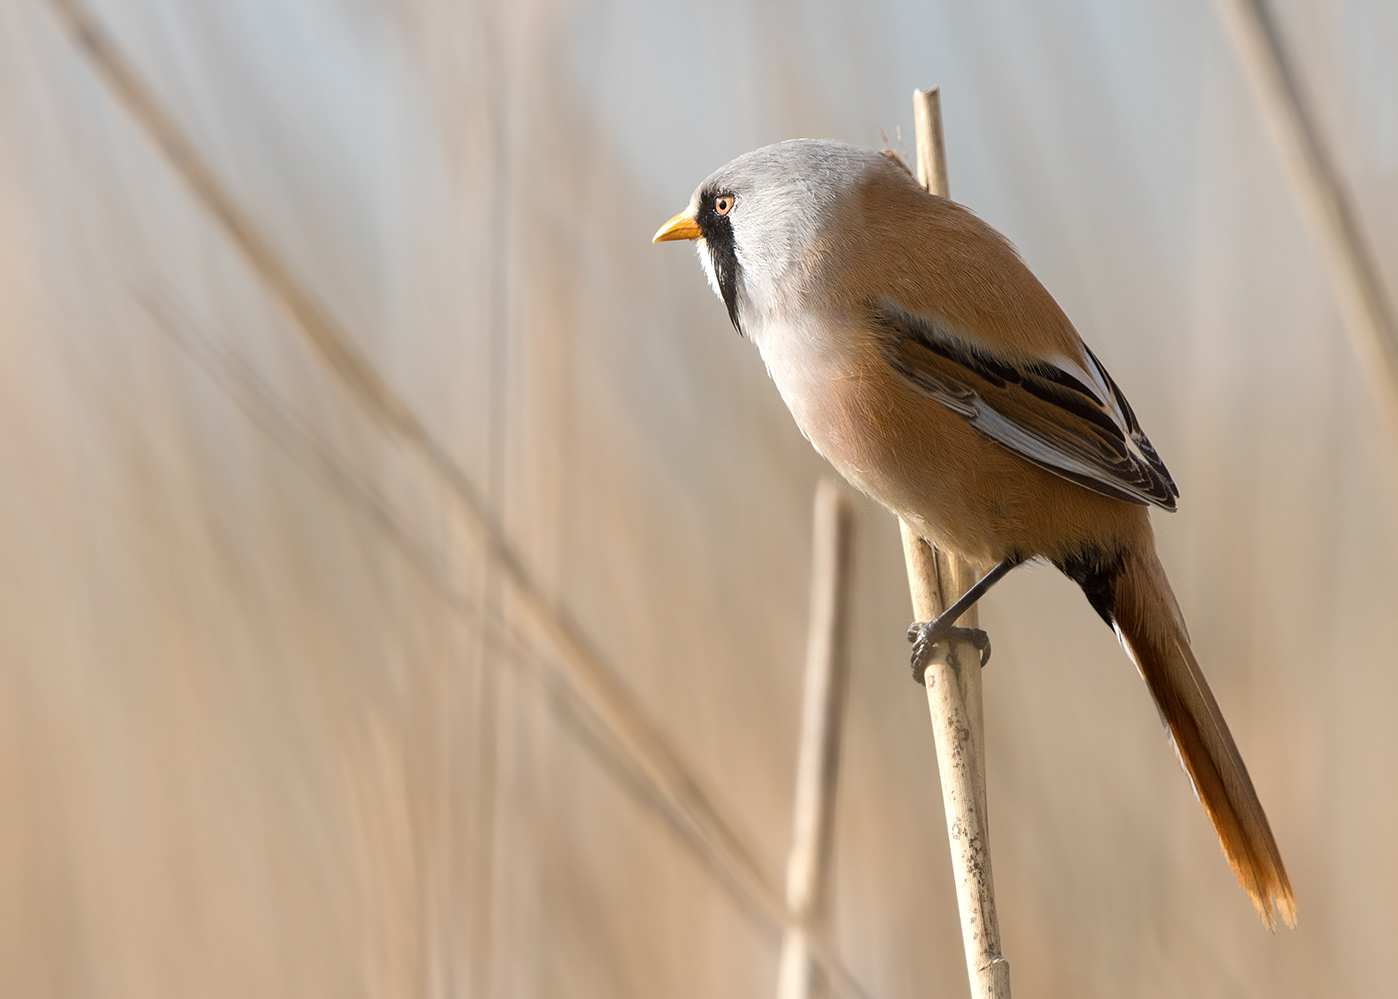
274, 720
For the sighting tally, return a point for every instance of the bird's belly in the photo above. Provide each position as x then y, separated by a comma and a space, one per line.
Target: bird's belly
953, 484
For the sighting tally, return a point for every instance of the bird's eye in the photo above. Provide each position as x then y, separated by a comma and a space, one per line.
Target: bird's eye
723, 204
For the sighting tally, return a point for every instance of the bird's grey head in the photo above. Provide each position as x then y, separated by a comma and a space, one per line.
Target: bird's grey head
755, 220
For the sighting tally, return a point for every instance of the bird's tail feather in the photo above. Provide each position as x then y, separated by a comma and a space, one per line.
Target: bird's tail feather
1150, 626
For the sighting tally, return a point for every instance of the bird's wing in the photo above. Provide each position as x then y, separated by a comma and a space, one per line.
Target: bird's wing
1069, 418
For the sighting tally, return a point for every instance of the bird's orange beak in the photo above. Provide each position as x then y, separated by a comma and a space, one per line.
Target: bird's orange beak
682, 226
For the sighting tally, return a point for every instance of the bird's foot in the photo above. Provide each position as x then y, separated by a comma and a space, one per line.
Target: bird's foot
924, 636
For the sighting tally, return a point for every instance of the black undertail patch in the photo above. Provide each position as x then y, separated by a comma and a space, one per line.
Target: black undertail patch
1095, 570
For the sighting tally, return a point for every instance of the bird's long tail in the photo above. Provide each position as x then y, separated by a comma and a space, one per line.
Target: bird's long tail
1150, 625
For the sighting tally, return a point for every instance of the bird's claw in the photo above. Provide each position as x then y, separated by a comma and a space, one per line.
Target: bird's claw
925, 635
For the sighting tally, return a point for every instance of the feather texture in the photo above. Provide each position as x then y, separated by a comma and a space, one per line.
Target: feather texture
1150, 627
1033, 407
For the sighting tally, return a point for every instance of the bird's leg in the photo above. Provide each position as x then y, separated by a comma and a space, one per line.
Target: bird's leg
925, 635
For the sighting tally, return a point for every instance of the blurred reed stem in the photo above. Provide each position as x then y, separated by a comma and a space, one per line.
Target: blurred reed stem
822, 714
1321, 194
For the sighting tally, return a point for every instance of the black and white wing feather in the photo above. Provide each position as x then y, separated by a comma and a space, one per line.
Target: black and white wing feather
1083, 430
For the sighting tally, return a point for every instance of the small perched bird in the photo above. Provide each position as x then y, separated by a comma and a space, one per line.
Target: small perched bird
921, 357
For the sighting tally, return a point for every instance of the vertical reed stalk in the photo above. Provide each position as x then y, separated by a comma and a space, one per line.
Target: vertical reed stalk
817, 763
953, 681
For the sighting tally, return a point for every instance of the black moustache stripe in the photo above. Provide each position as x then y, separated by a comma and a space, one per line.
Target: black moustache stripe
717, 231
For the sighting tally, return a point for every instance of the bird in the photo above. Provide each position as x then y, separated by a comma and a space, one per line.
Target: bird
920, 356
